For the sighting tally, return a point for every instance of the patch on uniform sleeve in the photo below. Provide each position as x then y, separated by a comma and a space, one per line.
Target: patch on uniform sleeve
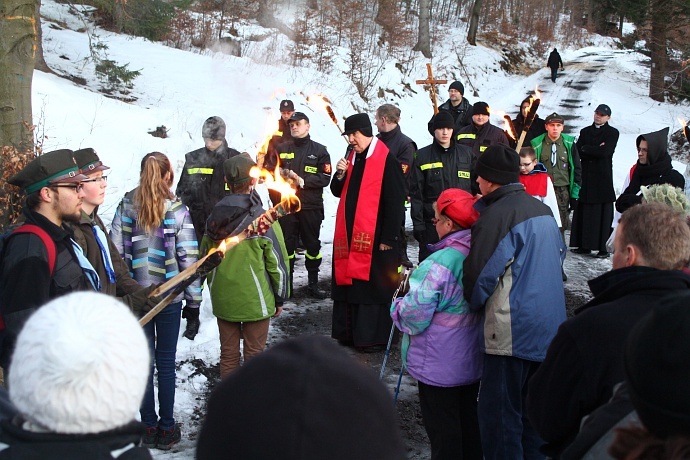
327, 168
405, 167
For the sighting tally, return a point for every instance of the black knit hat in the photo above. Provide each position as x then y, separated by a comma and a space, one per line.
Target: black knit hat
456, 85
499, 164
237, 168
358, 122
286, 105
303, 399
214, 128
657, 367
88, 161
554, 118
480, 108
49, 168
443, 119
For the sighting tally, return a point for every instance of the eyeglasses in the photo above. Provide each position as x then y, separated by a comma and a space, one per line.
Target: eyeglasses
76, 187
96, 179
525, 165
642, 150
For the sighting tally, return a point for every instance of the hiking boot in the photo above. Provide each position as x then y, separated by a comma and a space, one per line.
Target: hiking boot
192, 328
168, 438
313, 288
150, 437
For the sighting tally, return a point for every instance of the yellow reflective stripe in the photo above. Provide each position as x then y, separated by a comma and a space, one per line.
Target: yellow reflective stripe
226, 187
483, 147
426, 166
287, 156
199, 170
464, 174
311, 169
316, 257
466, 136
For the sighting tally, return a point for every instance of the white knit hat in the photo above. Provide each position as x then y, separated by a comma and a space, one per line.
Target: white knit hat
80, 365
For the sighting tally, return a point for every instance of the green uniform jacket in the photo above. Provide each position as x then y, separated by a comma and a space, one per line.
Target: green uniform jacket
573, 161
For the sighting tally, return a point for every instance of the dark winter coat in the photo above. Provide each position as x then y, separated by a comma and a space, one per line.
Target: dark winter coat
311, 162
555, 60
597, 163
513, 273
283, 135
403, 149
479, 139
537, 128
435, 170
462, 114
202, 183
30, 445
25, 281
585, 359
84, 236
658, 170
384, 265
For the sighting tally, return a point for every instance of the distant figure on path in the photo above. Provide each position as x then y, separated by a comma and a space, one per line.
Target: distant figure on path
553, 63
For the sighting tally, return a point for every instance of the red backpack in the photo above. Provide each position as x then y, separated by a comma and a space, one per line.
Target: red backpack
47, 242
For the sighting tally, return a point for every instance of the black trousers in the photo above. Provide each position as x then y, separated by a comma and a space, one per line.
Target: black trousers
450, 420
307, 225
361, 325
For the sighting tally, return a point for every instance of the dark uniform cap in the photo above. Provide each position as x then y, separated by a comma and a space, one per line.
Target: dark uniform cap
287, 106
297, 116
603, 109
237, 168
481, 108
358, 122
88, 161
50, 168
554, 118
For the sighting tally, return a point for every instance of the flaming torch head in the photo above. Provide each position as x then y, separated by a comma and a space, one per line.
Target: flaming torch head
275, 181
686, 128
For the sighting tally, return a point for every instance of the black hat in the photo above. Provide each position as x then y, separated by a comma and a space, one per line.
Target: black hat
286, 105
237, 168
499, 164
88, 161
297, 116
456, 85
323, 403
214, 128
358, 122
49, 168
554, 118
443, 119
603, 109
657, 367
480, 108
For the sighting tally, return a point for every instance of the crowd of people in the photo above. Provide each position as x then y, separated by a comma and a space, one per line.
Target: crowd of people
502, 373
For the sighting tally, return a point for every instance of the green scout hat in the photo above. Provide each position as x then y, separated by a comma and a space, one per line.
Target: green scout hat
88, 161
237, 168
48, 168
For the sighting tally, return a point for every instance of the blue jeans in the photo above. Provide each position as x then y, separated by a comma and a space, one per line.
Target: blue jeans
554, 74
503, 425
162, 333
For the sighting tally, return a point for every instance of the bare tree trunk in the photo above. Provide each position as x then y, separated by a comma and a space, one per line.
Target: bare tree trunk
40, 62
423, 37
474, 23
657, 48
17, 41
119, 14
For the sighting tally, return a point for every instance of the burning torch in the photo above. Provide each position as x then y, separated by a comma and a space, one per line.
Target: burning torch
685, 127
334, 119
531, 115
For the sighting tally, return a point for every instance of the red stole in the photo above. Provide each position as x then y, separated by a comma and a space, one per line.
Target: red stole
352, 259
535, 184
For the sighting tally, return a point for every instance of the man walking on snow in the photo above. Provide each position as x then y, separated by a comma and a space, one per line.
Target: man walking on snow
553, 63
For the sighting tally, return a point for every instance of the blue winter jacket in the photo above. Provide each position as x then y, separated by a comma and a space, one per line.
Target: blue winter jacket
513, 273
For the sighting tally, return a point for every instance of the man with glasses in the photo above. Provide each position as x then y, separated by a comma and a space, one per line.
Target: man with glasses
28, 279
558, 153
593, 215
92, 236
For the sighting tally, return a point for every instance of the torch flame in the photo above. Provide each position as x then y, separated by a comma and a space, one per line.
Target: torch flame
275, 181
506, 126
537, 93
682, 121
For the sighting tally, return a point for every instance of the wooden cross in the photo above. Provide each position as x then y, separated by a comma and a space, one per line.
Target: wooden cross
432, 85
362, 242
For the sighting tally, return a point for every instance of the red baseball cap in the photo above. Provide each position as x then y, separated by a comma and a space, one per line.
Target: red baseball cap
458, 205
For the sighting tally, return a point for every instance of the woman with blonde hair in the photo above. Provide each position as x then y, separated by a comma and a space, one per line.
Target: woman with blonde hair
155, 236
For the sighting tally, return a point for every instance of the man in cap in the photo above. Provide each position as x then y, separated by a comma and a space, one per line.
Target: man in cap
558, 153
442, 165
585, 359
371, 189
593, 214
201, 183
481, 134
44, 263
459, 107
403, 149
92, 236
287, 108
311, 162
512, 275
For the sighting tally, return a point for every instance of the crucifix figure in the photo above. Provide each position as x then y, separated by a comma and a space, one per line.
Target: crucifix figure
432, 85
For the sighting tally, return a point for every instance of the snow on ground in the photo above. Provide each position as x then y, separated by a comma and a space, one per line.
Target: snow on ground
180, 90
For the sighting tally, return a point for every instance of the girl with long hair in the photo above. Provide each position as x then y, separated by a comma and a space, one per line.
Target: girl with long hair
155, 236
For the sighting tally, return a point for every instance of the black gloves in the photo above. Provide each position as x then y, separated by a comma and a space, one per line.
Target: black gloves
573, 203
190, 313
418, 235
192, 317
